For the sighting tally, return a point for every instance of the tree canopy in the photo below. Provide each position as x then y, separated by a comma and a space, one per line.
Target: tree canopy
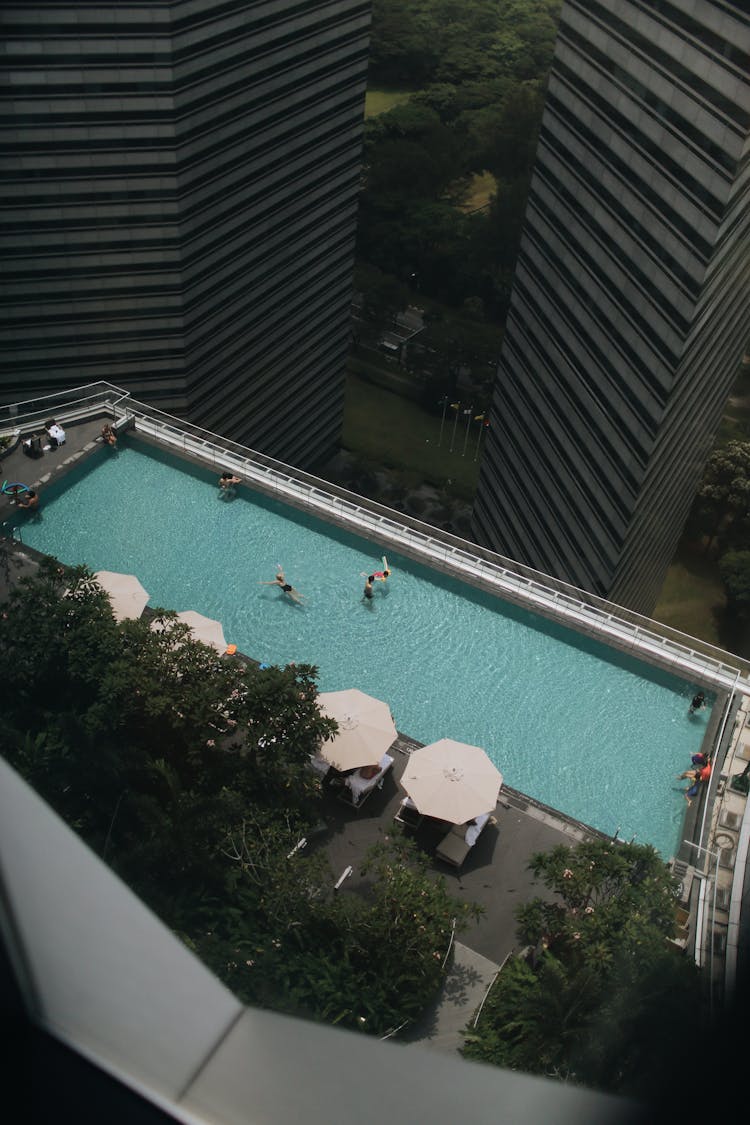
601, 998
734, 568
722, 505
478, 71
426, 42
189, 774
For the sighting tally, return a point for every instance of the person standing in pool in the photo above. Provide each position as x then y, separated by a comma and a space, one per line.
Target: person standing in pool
28, 499
698, 703
227, 481
367, 592
281, 581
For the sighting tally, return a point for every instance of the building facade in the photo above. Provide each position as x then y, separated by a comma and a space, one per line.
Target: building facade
179, 195
630, 308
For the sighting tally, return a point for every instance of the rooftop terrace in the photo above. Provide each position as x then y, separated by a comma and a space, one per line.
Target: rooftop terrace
711, 862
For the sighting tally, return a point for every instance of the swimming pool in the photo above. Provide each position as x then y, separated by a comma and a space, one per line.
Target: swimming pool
574, 724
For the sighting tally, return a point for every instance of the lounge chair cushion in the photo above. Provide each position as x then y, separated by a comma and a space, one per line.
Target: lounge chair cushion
456, 845
360, 787
453, 849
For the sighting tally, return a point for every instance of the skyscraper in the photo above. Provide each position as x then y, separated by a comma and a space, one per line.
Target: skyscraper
179, 195
630, 307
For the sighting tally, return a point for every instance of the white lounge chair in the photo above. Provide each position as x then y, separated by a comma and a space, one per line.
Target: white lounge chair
456, 844
357, 789
320, 765
408, 814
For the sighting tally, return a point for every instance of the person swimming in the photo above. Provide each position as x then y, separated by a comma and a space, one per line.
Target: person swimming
383, 574
286, 588
367, 592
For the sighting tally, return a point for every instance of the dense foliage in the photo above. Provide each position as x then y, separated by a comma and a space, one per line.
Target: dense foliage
734, 568
369, 963
601, 998
435, 42
478, 70
142, 738
720, 518
721, 511
189, 773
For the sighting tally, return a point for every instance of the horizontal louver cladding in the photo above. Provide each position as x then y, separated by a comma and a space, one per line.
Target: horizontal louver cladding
575, 189
179, 204
704, 34
644, 147
616, 285
631, 304
554, 405
569, 345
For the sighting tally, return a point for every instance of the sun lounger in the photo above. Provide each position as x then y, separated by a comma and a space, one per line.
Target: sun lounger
408, 814
357, 789
320, 765
456, 844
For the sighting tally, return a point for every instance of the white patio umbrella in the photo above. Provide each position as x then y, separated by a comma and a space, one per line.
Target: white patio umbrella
452, 781
204, 629
125, 592
366, 728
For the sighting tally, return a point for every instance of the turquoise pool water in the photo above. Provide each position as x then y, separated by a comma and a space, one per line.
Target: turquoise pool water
570, 722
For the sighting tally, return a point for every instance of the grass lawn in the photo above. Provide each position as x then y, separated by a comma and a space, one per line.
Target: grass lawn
692, 599
479, 188
735, 425
389, 430
380, 101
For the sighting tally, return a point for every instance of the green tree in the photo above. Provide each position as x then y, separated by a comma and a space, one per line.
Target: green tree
722, 503
144, 740
734, 568
369, 962
418, 42
504, 132
601, 999
481, 66
189, 774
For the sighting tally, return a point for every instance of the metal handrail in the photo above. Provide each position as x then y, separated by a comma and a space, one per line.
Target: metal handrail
691, 657
389, 518
489, 988
450, 944
75, 404
583, 611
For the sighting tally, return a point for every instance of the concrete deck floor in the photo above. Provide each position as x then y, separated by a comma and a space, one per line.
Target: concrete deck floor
495, 873
38, 473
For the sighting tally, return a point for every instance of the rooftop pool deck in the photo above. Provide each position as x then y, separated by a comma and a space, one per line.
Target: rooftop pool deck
577, 725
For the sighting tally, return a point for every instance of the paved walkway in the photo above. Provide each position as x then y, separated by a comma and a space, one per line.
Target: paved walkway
443, 1025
